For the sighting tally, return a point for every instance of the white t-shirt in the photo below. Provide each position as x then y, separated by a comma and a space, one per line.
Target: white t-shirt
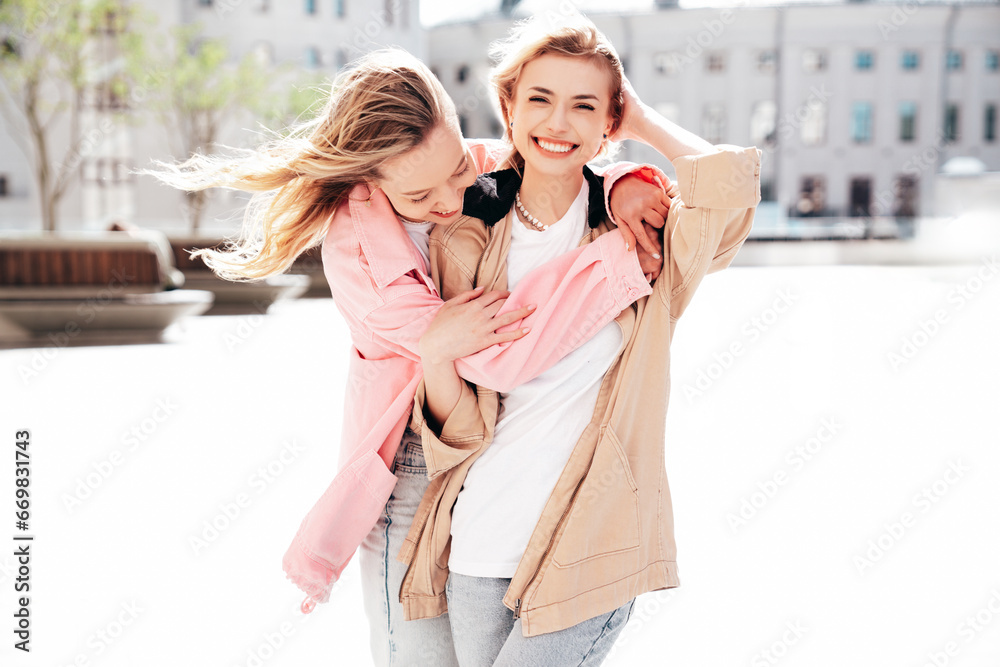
420, 234
537, 428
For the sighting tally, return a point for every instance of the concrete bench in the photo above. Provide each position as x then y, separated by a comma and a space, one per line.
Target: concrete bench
90, 282
231, 296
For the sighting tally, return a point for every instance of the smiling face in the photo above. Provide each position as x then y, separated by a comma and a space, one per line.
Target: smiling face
561, 110
429, 181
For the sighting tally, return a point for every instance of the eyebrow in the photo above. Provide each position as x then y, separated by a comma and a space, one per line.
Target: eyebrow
457, 169
546, 91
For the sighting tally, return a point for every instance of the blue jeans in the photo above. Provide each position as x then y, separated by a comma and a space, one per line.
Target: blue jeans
487, 634
395, 642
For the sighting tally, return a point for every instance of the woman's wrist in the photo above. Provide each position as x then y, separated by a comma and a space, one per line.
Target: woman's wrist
429, 356
640, 126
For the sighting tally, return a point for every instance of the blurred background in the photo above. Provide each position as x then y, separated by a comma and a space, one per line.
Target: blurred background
832, 446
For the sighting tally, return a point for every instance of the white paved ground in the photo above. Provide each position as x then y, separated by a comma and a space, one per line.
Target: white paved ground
835, 505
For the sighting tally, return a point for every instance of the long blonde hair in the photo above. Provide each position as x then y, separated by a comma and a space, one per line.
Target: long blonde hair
384, 105
570, 34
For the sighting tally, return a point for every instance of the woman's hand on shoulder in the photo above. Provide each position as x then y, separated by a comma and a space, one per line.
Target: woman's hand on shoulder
634, 201
469, 323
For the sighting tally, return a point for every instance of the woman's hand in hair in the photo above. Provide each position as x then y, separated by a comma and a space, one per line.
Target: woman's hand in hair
634, 113
651, 263
469, 323
635, 201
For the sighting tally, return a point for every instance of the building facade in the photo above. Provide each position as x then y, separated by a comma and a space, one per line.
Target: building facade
317, 36
856, 106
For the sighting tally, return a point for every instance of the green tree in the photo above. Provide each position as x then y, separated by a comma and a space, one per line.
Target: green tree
54, 56
201, 90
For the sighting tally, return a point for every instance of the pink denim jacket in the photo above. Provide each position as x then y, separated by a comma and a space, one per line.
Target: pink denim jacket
381, 286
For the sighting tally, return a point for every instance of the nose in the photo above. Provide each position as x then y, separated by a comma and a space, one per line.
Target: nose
452, 201
556, 122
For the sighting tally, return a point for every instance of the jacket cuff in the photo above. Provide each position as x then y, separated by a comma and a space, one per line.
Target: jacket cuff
447, 449
727, 179
647, 172
625, 277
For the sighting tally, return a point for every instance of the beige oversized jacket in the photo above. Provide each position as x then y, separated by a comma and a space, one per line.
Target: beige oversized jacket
606, 533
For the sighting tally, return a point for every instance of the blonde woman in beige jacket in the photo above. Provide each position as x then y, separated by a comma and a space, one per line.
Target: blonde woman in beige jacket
549, 510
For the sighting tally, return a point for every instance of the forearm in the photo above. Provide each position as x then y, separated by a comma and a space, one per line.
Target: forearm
576, 294
444, 389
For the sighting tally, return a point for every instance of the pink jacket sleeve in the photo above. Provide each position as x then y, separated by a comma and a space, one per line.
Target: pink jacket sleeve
591, 284
575, 294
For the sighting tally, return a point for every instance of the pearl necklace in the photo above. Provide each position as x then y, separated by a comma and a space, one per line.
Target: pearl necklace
527, 216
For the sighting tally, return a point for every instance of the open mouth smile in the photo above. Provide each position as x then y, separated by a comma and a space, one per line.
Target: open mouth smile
557, 147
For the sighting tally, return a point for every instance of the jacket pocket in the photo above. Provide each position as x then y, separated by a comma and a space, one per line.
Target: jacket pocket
604, 518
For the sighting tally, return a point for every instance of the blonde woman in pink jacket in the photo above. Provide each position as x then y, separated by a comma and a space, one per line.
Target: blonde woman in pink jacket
368, 178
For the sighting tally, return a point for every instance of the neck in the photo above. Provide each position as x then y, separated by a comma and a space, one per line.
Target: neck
548, 196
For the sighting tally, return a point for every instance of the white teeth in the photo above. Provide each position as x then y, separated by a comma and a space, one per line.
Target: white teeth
555, 148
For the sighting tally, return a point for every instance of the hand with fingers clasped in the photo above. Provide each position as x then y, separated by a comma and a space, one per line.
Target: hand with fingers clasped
469, 323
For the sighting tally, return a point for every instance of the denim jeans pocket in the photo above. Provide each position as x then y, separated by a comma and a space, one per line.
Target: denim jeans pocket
410, 455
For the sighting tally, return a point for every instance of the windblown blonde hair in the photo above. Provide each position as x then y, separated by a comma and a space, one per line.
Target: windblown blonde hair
384, 105
571, 35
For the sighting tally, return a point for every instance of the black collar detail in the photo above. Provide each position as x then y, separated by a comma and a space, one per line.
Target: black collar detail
492, 195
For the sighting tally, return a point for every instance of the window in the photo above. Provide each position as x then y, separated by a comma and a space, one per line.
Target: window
767, 192
861, 122
953, 60
864, 60
713, 122
905, 191
766, 62
762, 123
951, 120
108, 95
910, 60
813, 60
715, 62
311, 7
992, 61
812, 197
462, 73
106, 171
340, 8
667, 64
813, 129
312, 57
990, 123
861, 197
907, 121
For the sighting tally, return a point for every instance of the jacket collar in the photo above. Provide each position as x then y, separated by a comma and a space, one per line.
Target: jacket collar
384, 241
492, 195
